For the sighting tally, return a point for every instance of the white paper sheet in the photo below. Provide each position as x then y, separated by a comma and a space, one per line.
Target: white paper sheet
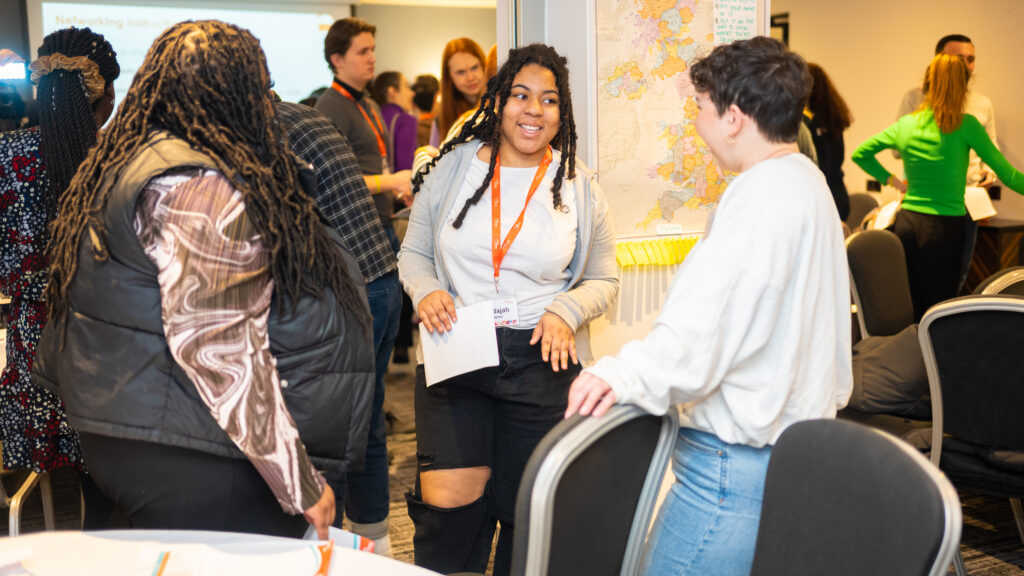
886, 215
979, 205
471, 344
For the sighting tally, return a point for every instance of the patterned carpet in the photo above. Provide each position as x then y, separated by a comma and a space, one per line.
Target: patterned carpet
990, 544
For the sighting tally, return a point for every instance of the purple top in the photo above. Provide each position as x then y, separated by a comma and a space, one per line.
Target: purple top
402, 137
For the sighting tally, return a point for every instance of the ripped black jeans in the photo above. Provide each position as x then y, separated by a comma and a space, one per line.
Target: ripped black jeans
491, 417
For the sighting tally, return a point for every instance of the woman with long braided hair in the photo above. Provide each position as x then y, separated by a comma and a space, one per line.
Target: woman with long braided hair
209, 338
548, 265
74, 74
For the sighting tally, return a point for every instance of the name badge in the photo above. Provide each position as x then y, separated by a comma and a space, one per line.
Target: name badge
506, 312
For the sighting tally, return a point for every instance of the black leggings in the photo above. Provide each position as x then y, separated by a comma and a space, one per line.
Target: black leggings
165, 487
934, 247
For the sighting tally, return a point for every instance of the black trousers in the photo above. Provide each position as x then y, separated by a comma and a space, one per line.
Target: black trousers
934, 248
165, 487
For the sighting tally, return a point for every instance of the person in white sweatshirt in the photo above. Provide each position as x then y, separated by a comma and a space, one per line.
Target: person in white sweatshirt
755, 330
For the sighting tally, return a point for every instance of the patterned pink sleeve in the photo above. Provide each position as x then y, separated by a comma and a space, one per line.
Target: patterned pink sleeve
215, 290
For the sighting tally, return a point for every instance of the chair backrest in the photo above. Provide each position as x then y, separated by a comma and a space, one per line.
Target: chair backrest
588, 494
879, 282
1005, 281
860, 204
976, 378
844, 499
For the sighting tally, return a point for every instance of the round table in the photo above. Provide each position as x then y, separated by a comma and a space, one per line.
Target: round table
136, 552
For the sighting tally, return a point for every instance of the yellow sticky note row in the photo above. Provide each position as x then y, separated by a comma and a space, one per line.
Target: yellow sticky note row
654, 252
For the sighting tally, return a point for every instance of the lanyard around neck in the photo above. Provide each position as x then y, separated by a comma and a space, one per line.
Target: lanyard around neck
499, 248
376, 127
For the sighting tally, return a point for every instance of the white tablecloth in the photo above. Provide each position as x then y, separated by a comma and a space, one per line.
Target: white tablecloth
131, 552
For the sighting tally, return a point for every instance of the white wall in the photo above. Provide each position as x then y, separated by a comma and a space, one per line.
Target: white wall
874, 50
410, 39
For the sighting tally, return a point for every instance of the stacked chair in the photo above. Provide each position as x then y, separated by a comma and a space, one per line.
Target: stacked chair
976, 379
588, 494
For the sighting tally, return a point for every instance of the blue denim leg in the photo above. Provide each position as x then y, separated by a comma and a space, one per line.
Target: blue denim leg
365, 498
708, 522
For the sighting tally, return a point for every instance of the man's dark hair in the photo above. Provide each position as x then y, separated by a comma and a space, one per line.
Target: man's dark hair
761, 77
425, 90
951, 38
67, 126
207, 83
339, 37
485, 124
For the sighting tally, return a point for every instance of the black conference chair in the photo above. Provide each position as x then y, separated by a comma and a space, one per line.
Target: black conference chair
975, 375
861, 203
1005, 281
848, 500
588, 494
879, 282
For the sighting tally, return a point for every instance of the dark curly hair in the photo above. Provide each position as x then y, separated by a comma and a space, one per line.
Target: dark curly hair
207, 83
761, 77
67, 125
485, 124
829, 108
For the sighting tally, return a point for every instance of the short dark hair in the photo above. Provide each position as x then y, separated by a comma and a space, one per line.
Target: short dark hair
339, 37
383, 81
951, 38
760, 76
425, 89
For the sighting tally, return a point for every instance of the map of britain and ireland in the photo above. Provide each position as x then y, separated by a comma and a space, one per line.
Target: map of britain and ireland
654, 166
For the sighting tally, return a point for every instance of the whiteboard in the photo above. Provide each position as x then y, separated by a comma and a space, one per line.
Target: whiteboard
290, 33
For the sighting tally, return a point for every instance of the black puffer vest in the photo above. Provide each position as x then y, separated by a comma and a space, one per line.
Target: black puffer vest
116, 373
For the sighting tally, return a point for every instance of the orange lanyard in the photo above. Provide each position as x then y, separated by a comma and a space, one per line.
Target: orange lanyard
377, 128
498, 248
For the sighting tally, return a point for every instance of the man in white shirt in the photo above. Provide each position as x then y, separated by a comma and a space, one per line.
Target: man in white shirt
978, 105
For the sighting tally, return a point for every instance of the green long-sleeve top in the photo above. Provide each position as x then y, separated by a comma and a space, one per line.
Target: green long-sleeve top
935, 163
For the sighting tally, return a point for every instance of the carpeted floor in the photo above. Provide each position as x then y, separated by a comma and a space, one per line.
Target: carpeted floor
990, 544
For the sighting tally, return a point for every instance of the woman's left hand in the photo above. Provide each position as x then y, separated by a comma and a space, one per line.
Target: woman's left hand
557, 341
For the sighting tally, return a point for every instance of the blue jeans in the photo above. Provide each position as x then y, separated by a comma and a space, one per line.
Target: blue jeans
708, 522
363, 496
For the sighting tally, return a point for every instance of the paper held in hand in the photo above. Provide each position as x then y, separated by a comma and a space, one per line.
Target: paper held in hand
979, 204
471, 344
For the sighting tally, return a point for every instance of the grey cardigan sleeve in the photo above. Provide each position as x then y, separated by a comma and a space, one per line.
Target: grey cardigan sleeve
416, 267
598, 285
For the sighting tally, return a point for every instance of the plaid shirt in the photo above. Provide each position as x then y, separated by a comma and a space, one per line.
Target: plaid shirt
341, 191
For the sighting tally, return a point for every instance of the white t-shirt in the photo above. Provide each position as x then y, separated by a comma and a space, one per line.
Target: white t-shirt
754, 334
535, 268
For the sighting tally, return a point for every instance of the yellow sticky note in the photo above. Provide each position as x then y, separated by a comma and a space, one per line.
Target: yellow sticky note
663, 255
638, 253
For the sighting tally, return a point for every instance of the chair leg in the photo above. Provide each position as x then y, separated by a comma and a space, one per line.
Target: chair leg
81, 496
46, 492
3, 494
1018, 515
19, 499
958, 563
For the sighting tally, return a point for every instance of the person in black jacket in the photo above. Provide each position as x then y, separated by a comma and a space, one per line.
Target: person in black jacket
827, 116
208, 336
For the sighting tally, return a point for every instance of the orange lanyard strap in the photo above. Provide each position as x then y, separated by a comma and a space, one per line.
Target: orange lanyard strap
498, 248
376, 127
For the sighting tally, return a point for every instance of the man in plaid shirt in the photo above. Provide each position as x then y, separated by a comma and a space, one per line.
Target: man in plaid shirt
344, 199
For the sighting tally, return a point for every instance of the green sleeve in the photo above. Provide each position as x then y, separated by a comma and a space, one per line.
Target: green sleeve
864, 155
978, 140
